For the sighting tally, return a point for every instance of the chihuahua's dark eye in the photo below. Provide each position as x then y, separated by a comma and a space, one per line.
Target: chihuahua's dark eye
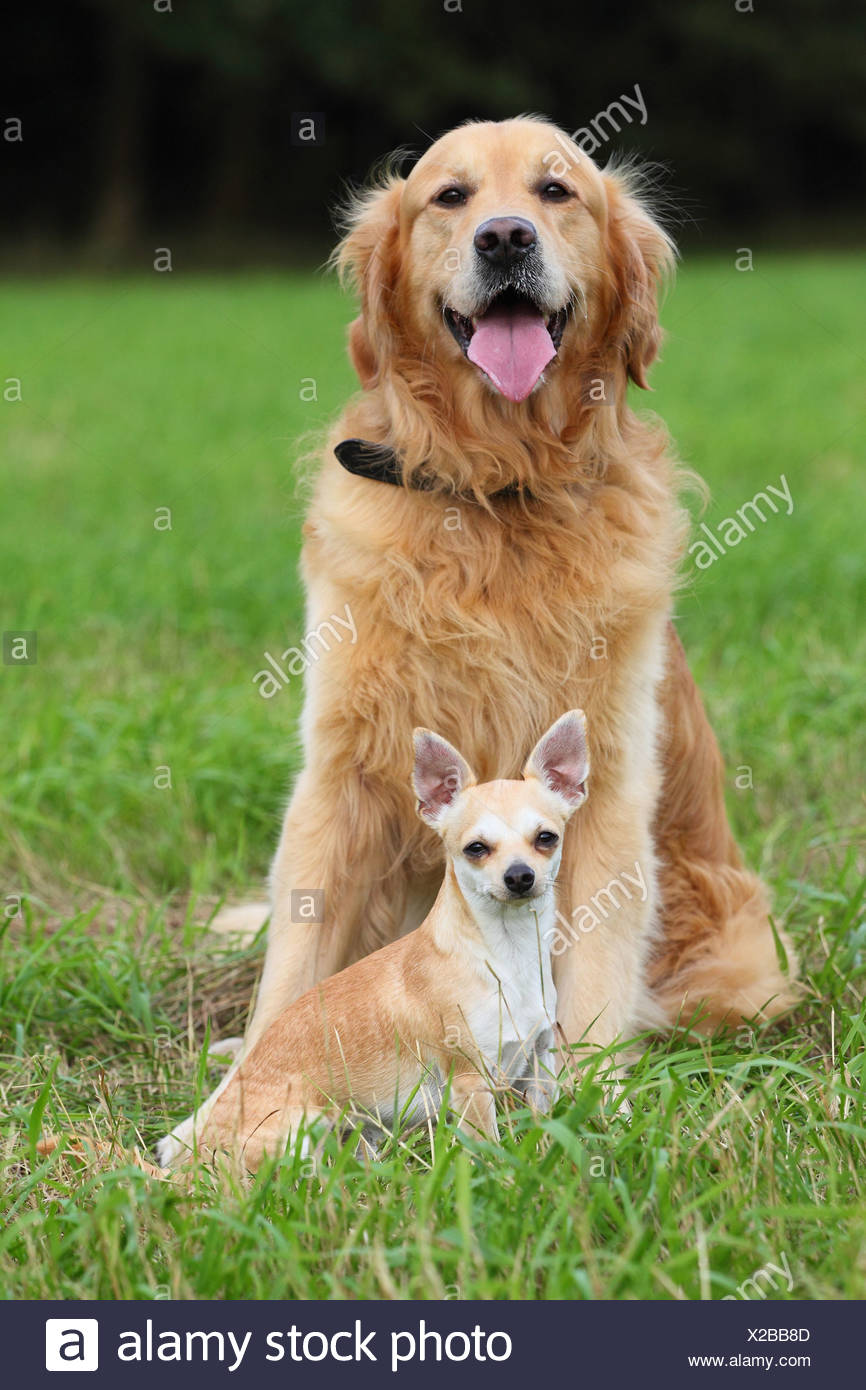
451, 197
554, 192
546, 839
476, 850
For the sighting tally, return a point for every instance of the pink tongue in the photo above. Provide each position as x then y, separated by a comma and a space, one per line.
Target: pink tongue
512, 346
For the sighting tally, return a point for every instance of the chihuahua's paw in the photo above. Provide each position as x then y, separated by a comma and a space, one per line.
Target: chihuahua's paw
180, 1144
177, 1145
541, 1094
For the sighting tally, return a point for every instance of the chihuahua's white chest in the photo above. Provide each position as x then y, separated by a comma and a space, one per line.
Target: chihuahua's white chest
512, 1020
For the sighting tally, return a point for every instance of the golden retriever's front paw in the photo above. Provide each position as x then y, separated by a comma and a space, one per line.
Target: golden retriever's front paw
225, 1050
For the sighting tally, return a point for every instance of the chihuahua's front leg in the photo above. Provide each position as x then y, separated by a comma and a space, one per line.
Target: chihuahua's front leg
473, 1104
335, 895
539, 1083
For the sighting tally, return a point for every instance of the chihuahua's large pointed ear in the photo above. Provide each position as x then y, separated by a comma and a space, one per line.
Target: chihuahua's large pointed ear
439, 776
641, 256
560, 759
368, 260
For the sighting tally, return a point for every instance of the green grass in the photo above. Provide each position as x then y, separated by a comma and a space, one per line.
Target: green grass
165, 392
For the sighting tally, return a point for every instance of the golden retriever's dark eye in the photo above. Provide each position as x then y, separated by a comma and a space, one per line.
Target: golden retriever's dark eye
451, 197
546, 839
554, 192
476, 850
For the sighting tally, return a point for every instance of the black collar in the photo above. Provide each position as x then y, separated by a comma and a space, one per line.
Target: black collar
381, 465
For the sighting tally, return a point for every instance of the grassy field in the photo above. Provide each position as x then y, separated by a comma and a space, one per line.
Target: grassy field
142, 778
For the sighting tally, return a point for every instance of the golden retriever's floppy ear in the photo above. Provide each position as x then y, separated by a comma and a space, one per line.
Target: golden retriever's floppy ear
641, 256
368, 259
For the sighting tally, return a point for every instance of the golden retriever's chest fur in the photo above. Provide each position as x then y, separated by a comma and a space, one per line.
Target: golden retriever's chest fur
534, 609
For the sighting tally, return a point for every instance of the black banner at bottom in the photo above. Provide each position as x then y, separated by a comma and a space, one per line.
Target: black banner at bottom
426, 1344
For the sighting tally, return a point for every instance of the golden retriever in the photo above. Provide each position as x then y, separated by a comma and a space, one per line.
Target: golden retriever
512, 553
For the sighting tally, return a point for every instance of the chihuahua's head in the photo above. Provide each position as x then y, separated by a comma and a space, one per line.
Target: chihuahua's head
504, 838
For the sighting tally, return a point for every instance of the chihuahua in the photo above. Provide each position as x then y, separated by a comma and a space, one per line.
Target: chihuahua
459, 1008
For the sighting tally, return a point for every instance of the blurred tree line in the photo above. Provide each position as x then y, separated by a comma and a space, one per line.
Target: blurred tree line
175, 117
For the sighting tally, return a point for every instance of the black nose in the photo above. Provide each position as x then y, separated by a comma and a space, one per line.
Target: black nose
504, 240
519, 879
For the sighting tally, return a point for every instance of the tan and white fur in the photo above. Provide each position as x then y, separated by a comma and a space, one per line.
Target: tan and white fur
461, 1007
483, 612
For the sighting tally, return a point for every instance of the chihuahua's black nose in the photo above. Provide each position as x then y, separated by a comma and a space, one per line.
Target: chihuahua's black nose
502, 240
519, 879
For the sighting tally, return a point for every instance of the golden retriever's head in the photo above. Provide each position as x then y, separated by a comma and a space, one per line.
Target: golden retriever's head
502, 266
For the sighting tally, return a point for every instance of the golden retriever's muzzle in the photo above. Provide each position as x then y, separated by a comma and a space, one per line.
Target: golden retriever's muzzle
512, 335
